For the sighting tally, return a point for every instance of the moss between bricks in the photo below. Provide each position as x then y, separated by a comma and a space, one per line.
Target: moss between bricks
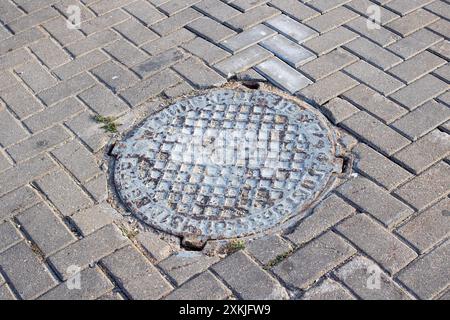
109, 123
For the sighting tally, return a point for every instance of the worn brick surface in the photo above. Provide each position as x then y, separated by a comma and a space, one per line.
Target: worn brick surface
184, 265
387, 87
313, 260
251, 282
418, 277
26, 271
140, 280
367, 280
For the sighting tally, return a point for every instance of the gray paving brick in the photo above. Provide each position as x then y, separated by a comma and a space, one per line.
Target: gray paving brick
78, 160
412, 22
103, 6
20, 40
4, 162
314, 260
88, 130
425, 152
203, 287
24, 173
373, 53
326, 5
267, 248
377, 242
414, 43
126, 53
295, 9
252, 17
103, 101
30, 6
440, 8
45, 229
92, 42
443, 73
210, 29
374, 77
111, 296
54, 114
103, 22
9, 12
283, 75
114, 76
7, 80
97, 188
331, 19
10, 129
329, 87
329, 212
92, 219
158, 248
370, 198
150, 87
93, 284
176, 21
251, 282
420, 91
441, 27
174, 6
427, 187
358, 275
49, 53
330, 40
337, 110
15, 58
242, 61
58, 29
66, 89
38, 143
35, 76
248, 38
328, 64
88, 250
178, 90
26, 272
361, 6
17, 201
217, 9
159, 62
6, 293
20, 101
381, 36
206, 50
63, 5
135, 32
404, 7
417, 66
144, 12
185, 265
9, 236
198, 74
417, 275
428, 228
288, 51
63, 192
81, 64
327, 290
140, 280
379, 168
168, 42
246, 5
292, 29
422, 120
374, 103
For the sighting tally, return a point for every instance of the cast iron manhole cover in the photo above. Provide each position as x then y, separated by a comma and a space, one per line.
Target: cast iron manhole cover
226, 164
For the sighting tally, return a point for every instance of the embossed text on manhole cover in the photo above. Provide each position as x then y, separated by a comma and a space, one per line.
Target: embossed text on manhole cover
226, 164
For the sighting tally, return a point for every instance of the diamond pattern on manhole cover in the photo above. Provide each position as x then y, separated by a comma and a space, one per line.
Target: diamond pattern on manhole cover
226, 164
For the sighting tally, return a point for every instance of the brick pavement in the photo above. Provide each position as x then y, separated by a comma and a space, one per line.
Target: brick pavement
384, 234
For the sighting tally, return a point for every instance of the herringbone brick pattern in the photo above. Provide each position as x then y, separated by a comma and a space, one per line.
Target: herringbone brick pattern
388, 87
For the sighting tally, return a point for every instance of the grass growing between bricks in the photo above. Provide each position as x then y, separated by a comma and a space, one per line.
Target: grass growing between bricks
235, 245
278, 259
109, 123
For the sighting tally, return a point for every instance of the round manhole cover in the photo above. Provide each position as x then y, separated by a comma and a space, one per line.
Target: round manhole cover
225, 164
